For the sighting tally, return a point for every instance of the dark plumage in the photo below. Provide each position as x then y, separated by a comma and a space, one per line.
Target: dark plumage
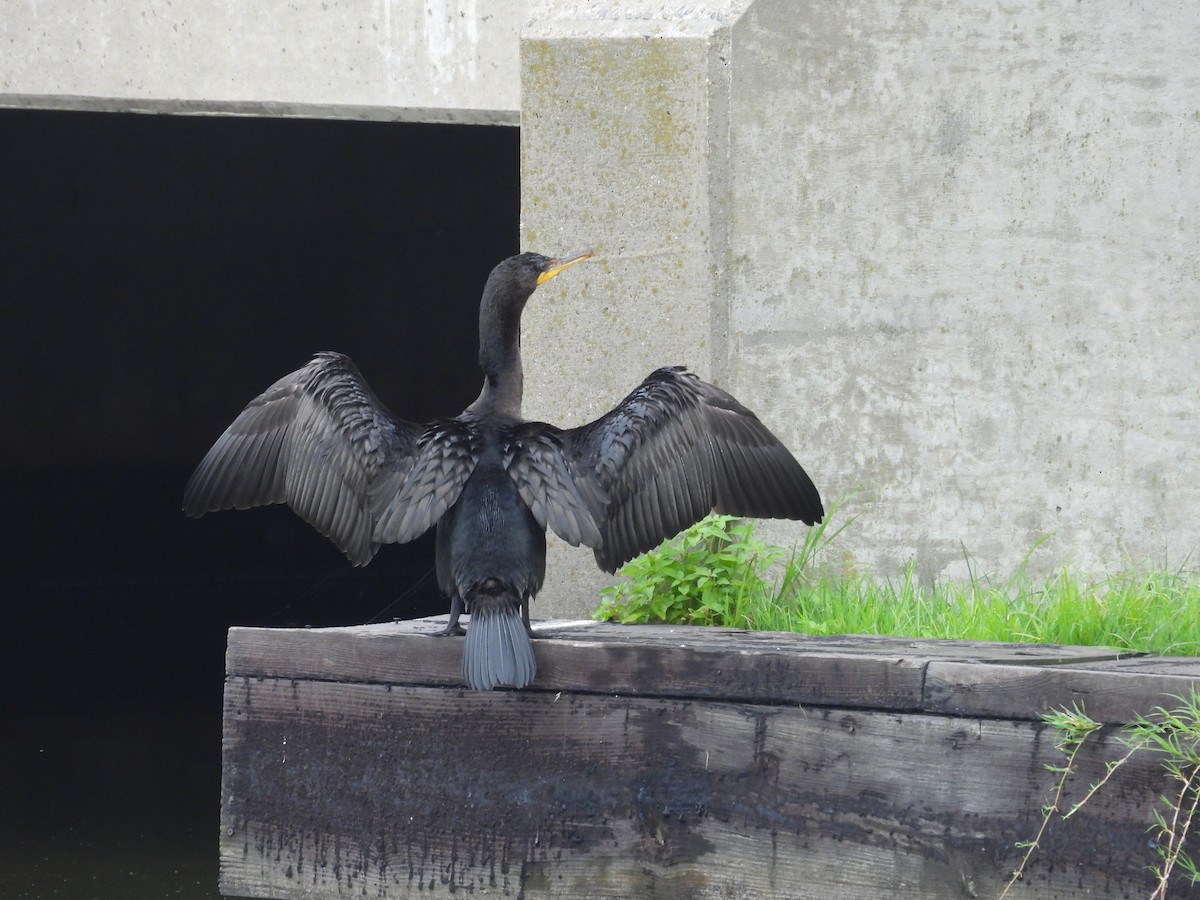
668, 454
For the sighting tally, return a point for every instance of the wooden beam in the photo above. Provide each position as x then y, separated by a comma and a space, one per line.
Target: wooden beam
354, 765
674, 661
1114, 691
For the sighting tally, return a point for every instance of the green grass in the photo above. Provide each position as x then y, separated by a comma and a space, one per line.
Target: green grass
719, 573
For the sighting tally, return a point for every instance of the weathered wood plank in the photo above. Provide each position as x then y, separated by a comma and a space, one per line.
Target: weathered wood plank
685, 668
856, 644
373, 790
762, 667
1181, 666
394, 653
1113, 692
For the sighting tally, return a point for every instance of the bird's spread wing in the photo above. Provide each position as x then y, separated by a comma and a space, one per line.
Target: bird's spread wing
533, 457
674, 450
318, 440
406, 503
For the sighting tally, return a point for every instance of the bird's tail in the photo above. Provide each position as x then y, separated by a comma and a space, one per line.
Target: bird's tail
497, 650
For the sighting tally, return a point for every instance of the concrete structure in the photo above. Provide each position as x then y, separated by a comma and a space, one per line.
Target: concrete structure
428, 61
950, 253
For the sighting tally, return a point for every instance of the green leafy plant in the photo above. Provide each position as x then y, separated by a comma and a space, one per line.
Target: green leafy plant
1071, 728
710, 574
713, 573
1175, 736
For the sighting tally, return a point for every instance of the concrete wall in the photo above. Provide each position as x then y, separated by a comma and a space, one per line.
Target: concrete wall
951, 253
965, 260
411, 60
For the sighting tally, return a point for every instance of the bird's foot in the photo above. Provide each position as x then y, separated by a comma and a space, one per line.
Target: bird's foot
452, 629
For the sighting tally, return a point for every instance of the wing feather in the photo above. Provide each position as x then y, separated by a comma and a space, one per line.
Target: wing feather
674, 450
533, 457
408, 504
318, 440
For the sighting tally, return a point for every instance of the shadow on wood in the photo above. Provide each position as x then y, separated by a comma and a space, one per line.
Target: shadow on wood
676, 763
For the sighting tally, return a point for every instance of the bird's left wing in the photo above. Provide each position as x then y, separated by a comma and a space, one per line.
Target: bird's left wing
674, 450
559, 498
405, 503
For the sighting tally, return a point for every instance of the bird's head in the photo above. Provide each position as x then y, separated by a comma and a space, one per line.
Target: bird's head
507, 290
519, 276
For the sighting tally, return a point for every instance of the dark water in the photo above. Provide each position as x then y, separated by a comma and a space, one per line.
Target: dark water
104, 806
110, 719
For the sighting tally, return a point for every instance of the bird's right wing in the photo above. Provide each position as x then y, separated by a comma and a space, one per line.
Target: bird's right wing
317, 440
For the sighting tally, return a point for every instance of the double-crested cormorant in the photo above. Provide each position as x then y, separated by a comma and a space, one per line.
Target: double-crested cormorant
668, 454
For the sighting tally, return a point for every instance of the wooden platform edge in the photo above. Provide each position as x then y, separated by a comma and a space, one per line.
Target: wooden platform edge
959, 678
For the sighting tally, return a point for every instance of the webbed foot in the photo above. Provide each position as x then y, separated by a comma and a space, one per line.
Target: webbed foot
452, 629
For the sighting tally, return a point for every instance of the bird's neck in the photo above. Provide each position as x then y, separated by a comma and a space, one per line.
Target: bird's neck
500, 360
501, 395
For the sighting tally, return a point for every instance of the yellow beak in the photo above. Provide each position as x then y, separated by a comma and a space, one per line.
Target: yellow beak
557, 265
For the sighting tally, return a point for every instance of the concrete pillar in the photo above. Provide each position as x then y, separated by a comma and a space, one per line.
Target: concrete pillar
965, 256
625, 120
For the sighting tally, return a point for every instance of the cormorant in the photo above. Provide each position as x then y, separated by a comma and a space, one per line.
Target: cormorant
672, 451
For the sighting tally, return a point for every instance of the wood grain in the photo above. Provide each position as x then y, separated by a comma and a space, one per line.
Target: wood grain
364, 790
1113, 692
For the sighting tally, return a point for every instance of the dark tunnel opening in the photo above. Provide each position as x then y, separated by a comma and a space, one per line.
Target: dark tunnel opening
157, 273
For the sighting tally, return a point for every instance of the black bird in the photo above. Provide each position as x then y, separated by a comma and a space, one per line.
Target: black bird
668, 454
